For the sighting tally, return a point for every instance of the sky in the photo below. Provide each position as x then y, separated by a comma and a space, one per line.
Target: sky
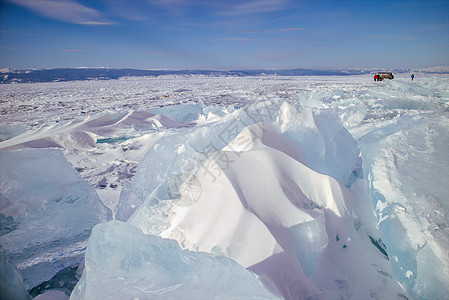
223, 35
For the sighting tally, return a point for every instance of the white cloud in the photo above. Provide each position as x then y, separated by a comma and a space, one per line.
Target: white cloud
65, 10
254, 7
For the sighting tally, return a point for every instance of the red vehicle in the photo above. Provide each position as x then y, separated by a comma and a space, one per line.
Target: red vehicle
383, 75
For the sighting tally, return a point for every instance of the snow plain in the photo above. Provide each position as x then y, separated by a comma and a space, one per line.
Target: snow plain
321, 187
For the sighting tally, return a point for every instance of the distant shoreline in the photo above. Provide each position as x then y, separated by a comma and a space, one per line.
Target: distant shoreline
81, 74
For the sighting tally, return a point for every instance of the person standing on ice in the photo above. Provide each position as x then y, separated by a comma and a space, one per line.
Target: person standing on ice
413, 76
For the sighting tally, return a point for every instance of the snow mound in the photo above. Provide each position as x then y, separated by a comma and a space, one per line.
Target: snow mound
47, 212
123, 263
179, 151
258, 200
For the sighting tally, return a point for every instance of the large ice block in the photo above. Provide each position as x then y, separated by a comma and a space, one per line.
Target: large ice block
46, 212
123, 263
11, 283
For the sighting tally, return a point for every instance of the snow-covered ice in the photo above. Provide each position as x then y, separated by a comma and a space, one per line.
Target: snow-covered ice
321, 187
262, 204
403, 133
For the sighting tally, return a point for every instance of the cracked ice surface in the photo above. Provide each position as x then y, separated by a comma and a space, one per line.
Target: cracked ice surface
335, 187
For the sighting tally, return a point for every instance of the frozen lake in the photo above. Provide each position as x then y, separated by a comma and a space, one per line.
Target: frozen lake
322, 187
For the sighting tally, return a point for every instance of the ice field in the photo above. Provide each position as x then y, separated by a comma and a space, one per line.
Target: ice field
225, 188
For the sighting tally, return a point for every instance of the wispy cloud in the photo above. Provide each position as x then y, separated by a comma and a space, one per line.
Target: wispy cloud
68, 11
178, 7
226, 8
254, 7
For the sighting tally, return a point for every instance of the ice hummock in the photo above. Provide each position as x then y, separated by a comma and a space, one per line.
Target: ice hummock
407, 164
123, 263
315, 134
402, 130
400, 127
250, 192
47, 212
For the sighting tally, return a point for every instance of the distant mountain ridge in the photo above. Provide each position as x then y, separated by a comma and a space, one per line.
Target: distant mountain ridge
74, 74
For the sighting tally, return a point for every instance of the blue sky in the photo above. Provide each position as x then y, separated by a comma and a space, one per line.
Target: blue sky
246, 34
